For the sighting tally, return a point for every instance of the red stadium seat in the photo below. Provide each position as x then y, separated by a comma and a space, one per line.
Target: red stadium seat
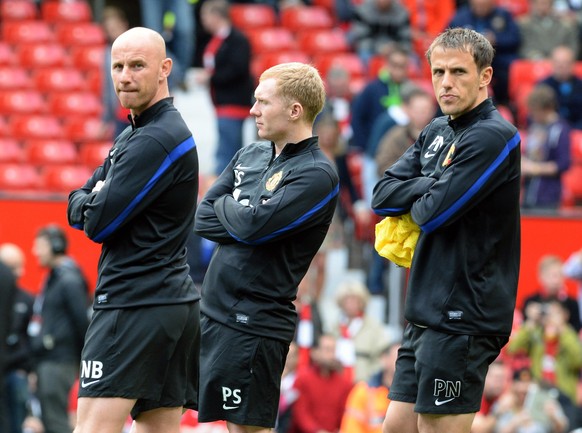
81, 128
515, 7
92, 154
28, 126
349, 61
75, 103
4, 130
252, 16
271, 39
17, 177
28, 31
94, 81
11, 150
262, 62
42, 55
17, 10
318, 41
525, 73
572, 186
14, 77
6, 54
65, 178
59, 80
50, 151
88, 58
300, 18
80, 33
21, 101
59, 11
576, 146
329, 5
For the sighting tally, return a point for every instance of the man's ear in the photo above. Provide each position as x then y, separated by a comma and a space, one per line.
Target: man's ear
166, 67
485, 77
296, 111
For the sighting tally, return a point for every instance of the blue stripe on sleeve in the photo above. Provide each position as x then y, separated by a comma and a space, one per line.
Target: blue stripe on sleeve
295, 223
388, 211
471, 192
172, 157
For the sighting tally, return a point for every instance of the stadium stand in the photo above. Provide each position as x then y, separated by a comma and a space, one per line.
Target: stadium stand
247, 16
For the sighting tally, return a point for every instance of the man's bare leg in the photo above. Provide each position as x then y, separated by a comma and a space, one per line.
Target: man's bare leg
236, 428
400, 418
460, 423
102, 415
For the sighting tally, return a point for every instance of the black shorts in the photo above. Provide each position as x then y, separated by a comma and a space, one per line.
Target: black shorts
443, 373
149, 354
240, 375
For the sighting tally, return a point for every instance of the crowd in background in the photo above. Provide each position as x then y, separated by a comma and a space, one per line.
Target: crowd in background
339, 369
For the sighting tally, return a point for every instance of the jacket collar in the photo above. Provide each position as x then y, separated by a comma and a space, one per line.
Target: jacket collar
466, 119
295, 148
150, 113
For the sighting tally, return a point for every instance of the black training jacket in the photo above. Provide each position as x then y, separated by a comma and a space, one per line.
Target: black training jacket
269, 216
144, 213
461, 182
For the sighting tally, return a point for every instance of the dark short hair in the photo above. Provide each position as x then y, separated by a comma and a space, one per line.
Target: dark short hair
460, 38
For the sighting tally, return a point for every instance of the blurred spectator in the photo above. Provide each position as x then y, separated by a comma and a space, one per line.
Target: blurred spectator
496, 383
419, 107
360, 336
546, 151
551, 287
368, 400
527, 408
567, 85
114, 23
174, 19
288, 392
226, 61
19, 359
543, 29
554, 350
376, 25
323, 389
57, 328
310, 323
338, 99
573, 269
499, 27
7, 293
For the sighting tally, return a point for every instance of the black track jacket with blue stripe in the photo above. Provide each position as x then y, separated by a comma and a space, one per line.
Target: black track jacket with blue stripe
269, 217
461, 183
144, 213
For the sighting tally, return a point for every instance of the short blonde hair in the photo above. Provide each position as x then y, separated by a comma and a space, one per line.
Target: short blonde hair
299, 82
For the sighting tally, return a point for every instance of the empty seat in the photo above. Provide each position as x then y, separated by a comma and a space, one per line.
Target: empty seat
27, 31
65, 178
271, 39
252, 15
320, 41
74, 103
18, 10
92, 154
4, 130
94, 81
525, 73
299, 18
576, 145
6, 54
11, 150
80, 33
572, 186
50, 151
28, 126
59, 11
14, 77
262, 62
18, 176
59, 79
81, 128
351, 62
88, 58
42, 55
21, 101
